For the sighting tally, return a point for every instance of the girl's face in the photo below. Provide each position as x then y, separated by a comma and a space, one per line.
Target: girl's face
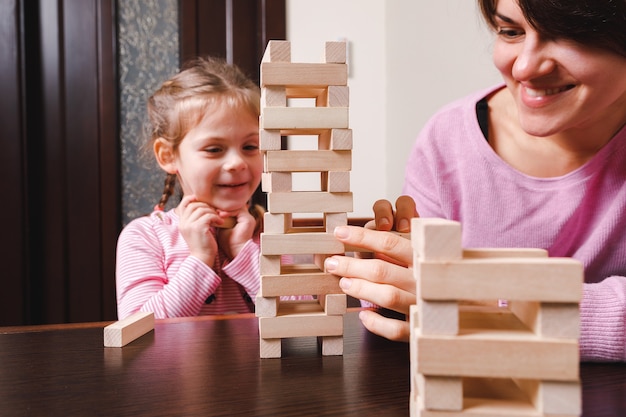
557, 84
219, 161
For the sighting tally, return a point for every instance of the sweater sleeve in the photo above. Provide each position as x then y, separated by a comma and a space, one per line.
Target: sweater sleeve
603, 320
245, 269
143, 282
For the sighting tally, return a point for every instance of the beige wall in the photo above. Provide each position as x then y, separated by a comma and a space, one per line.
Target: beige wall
407, 58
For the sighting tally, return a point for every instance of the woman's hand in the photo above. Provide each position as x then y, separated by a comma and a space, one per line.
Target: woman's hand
195, 221
400, 221
388, 284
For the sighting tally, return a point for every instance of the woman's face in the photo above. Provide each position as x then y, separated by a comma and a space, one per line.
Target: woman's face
219, 160
557, 84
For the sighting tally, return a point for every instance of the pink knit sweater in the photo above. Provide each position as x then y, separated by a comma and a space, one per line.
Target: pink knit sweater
453, 173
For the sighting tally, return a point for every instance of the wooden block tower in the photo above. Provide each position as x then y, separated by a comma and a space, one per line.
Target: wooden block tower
494, 332
324, 85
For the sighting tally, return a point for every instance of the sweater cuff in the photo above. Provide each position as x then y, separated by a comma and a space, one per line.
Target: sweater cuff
602, 326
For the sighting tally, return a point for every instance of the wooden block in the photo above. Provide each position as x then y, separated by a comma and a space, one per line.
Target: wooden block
308, 161
124, 331
441, 392
300, 319
276, 182
270, 348
334, 304
299, 284
277, 51
300, 244
504, 253
276, 222
498, 356
309, 202
336, 182
303, 74
524, 279
332, 345
333, 220
335, 139
269, 264
557, 320
335, 52
318, 93
304, 117
266, 306
269, 140
436, 239
558, 398
338, 96
438, 317
273, 96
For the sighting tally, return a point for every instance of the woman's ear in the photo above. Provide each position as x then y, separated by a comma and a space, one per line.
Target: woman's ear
164, 154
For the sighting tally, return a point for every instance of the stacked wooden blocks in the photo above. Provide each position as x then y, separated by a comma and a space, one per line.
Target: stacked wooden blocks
494, 332
325, 86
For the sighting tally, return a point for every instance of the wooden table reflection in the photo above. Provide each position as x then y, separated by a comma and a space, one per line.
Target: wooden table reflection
210, 366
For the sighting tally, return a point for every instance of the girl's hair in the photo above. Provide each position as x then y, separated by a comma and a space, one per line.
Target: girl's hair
595, 23
182, 101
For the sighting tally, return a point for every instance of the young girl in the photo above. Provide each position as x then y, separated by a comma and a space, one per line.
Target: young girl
538, 161
191, 260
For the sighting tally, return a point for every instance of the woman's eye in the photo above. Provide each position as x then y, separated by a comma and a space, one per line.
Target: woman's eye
509, 33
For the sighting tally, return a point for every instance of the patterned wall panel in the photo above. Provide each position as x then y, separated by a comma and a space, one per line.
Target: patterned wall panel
148, 55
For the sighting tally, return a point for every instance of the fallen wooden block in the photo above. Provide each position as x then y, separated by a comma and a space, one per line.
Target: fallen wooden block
123, 332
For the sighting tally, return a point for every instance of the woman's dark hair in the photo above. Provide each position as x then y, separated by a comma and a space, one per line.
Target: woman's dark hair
595, 23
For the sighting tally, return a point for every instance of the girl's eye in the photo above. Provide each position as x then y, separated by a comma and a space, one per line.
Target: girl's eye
251, 147
213, 149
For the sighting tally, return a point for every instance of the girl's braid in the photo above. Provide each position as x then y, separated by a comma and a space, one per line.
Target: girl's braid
168, 190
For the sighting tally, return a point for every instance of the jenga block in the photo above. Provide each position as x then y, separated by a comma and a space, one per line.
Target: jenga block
507, 278
441, 392
336, 182
436, 239
269, 264
318, 93
276, 182
319, 260
558, 398
304, 117
438, 317
299, 284
498, 356
277, 51
300, 319
266, 306
334, 304
336, 139
273, 96
308, 161
270, 348
276, 223
332, 345
558, 320
269, 140
335, 52
309, 202
300, 243
303, 74
124, 331
504, 253
333, 220
338, 96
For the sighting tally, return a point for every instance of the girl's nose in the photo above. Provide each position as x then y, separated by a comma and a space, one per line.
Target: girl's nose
234, 161
534, 59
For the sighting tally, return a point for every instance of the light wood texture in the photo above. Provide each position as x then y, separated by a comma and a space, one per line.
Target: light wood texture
300, 283
303, 74
308, 161
276, 182
277, 51
309, 202
300, 244
335, 52
300, 319
304, 117
269, 140
123, 332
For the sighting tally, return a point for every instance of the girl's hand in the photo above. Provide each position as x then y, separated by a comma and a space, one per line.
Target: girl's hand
195, 221
232, 240
386, 283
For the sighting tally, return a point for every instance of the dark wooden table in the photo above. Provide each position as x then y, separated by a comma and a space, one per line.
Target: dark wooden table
210, 366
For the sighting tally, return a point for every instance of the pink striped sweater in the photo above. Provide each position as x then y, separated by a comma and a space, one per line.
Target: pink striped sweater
154, 272
453, 173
